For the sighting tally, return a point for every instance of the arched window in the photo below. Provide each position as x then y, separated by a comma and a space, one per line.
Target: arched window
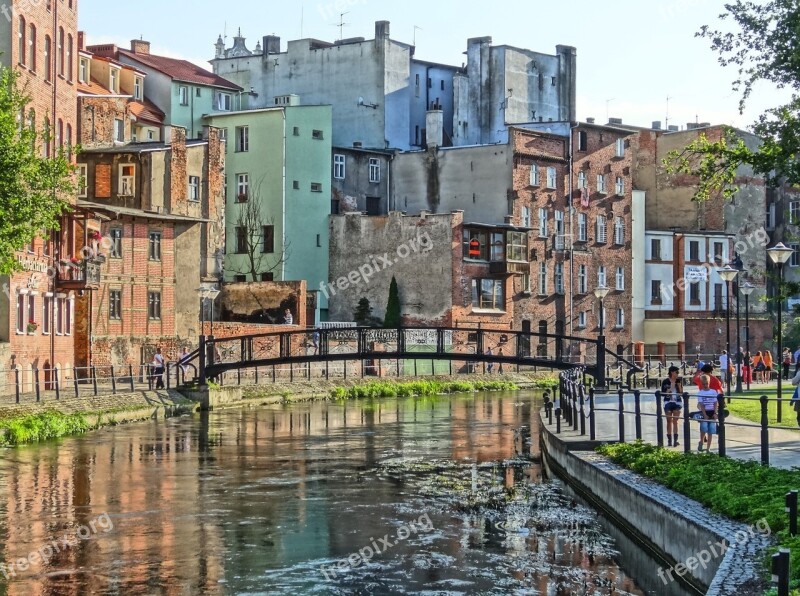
48, 59
69, 57
23, 46
32, 44
61, 51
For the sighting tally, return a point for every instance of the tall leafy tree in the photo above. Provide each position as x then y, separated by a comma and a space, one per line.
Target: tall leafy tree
392, 318
34, 190
764, 46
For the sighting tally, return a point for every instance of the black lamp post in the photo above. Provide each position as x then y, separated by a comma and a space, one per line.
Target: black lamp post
780, 254
739, 266
600, 293
747, 288
728, 274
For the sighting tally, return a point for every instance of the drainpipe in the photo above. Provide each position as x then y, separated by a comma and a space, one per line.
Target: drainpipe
571, 158
283, 205
389, 197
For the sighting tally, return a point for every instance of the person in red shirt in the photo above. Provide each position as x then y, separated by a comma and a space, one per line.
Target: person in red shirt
715, 383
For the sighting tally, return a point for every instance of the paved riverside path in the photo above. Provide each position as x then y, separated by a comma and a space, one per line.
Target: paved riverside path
742, 437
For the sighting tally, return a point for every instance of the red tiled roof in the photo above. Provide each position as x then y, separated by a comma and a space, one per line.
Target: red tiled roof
180, 70
92, 87
147, 111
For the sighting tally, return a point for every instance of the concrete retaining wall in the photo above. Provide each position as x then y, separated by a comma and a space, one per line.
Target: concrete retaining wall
675, 528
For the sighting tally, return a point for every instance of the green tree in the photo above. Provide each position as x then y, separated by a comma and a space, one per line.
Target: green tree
363, 314
34, 190
392, 318
764, 47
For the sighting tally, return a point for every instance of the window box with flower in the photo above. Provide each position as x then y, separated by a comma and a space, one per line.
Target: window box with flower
32, 327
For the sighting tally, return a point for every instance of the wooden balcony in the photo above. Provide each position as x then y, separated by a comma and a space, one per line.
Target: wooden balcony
79, 276
509, 268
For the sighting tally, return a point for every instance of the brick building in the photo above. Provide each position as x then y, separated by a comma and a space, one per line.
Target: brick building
39, 40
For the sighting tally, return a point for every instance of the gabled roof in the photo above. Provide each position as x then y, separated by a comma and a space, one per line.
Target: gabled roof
180, 70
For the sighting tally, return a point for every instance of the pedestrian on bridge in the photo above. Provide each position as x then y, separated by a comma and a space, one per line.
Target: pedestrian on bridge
672, 392
490, 366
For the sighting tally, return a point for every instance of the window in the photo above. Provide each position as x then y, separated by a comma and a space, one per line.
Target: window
242, 187
583, 225
83, 70
601, 277
67, 307
126, 179
83, 175
47, 314
794, 212
694, 293
559, 215
155, 246
602, 232
771, 217
241, 240
496, 248
268, 239
119, 130
582, 140
534, 175
60, 316
526, 217
31, 308
551, 177
115, 235
61, 51
601, 183
183, 94
154, 306
655, 249
224, 102
69, 139
517, 248
655, 291
32, 46
620, 278
542, 279
268, 276
242, 139
583, 280
583, 182
475, 245
48, 62
317, 135
619, 231
374, 170
559, 278
137, 88
542, 222
795, 259
223, 136
21, 322
114, 80
719, 252
416, 85
115, 305
619, 148
197, 92
694, 250
619, 186
338, 167
296, 184
488, 294
194, 188
23, 45
240, 279
316, 187
620, 318
69, 58
296, 131
582, 319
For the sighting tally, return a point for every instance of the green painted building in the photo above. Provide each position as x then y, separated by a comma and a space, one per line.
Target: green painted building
278, 189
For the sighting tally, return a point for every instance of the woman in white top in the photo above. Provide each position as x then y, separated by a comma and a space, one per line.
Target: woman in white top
708, 404
671, 392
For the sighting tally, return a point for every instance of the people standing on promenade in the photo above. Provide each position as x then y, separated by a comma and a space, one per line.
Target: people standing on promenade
747, 369
708, 369
708, 404
723, 366
768, 365
672, 392
758, 367
787, 362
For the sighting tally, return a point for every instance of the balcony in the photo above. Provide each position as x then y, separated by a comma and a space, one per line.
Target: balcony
84, 275
509, 268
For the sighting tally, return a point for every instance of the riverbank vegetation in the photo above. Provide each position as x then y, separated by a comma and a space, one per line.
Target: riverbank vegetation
418, 388
34, 428
744, 491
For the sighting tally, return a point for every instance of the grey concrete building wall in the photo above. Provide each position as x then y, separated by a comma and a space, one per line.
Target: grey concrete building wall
355, 192
358, 242
436, 88
476, 180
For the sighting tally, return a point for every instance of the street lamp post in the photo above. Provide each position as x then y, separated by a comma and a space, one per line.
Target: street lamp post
747, 289
207, 293
780, 254
600, 293
739, 266
728, 274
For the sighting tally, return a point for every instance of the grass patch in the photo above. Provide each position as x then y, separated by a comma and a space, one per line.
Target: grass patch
377, 389
41, 427
744, 491
750, 409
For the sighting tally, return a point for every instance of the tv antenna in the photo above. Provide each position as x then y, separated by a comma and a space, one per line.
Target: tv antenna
342, 24
414, 43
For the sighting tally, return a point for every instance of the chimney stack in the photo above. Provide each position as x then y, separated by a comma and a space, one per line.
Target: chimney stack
382, 29
272, 44
140, 46
434, 124
656, 125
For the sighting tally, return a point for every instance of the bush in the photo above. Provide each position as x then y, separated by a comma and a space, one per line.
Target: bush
41, 427
377, 389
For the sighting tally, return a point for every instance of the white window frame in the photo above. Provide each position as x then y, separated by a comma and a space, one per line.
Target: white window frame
119, 130
83, 180
526, 217
601, 183
552, 177
242, 188
535, 177
242, 139
583, 227
620, 322
68, 306
619, 186
224, 102
558, 277
770, 217
542, 279
582, 319
60, 300
601, 230
83, 70
47, 313
183, 95
583, 280
621, 279
113, 79
794, 212
339, 166
138, 85
583, 180
619, 147
601, 277
374, 170
794, 260
542, 222
194, 188
22, 312
126, 183
559, 218
619, 231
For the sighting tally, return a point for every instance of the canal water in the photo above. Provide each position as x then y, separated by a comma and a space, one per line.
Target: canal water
400, 496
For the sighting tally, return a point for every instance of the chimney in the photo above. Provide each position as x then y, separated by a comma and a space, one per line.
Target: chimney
590, 121
615, 120
656, 125
81, 40
673, 128
272, 44
691, 126
434, 124
140, 46
382, 29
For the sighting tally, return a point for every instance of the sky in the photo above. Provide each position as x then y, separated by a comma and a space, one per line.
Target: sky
632, 54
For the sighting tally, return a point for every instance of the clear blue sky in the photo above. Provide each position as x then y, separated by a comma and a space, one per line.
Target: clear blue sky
632, 54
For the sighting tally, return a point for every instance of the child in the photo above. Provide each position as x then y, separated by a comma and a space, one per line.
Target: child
708, 404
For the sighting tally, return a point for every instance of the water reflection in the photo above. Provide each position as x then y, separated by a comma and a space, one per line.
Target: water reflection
258, 501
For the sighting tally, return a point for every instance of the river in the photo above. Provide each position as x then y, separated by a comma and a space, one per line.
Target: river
400, 496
